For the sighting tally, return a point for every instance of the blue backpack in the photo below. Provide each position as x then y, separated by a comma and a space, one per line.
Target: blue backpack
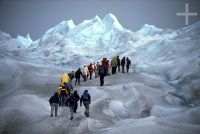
101, 70
85, 97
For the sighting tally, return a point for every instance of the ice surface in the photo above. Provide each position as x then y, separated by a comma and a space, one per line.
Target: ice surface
160, 94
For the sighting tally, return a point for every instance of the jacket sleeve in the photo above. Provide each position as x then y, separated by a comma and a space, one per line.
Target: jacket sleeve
81, 100
89, 98
50, 100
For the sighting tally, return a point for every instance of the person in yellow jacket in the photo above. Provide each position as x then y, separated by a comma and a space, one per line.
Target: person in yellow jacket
64, 78
63, 96
114, 65
58, 89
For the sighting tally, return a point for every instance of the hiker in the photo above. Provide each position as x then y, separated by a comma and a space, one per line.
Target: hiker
97, 70
69, 86
101, 74
109, 69
63, 95
91, 69
128, 64
78, 75
105, 64
118, 63
86, 100
71, 75
85, 72
114, 65
54, 101
64, 78
71, 100
76, 95
58, 90
123, 62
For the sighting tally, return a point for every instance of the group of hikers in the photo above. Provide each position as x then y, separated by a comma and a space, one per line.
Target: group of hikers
101, 70
65, 94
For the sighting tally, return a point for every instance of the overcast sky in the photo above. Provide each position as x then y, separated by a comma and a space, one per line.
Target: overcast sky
37, 16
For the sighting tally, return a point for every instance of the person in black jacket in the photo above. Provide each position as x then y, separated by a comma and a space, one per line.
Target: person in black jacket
101, 74
86, 100
123, 62
71, 100
78, 75
118, 63
54, 102
128, 64
76, 95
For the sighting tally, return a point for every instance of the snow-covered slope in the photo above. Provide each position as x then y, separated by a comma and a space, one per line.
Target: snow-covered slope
96, 36
8, 44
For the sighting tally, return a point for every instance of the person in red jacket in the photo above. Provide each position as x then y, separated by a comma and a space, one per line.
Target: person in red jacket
90, 68
105, 64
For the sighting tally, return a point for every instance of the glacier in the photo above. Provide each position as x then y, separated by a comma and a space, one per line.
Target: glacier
161, 93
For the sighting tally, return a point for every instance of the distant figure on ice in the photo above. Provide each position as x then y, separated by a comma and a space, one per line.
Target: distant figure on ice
101, 74
114, 65
97, 69
118, 63
91, 69
105, 64
76, 95
85, 72
128, 64
78, 75
86, 100
71, 101
71, 75
54, 101
123, 62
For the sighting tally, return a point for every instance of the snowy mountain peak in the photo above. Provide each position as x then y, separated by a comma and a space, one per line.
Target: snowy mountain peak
25, 41
110, 20
149, 30
62, 28
97, 18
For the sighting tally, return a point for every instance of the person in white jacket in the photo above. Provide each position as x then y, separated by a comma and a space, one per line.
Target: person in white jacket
85, 72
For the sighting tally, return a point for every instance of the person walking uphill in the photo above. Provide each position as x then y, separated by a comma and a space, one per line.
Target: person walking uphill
101, 74
78, 75
114, 65
118, 63
85, 72
91, 69
76, 95
123, 62
128, 64
64, 78
54, 101
63, 95
86, 100
71, 100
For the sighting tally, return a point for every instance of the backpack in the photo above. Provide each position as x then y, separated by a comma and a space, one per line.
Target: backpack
101, 70
71, 99
63, 92
69, 86
85, 97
